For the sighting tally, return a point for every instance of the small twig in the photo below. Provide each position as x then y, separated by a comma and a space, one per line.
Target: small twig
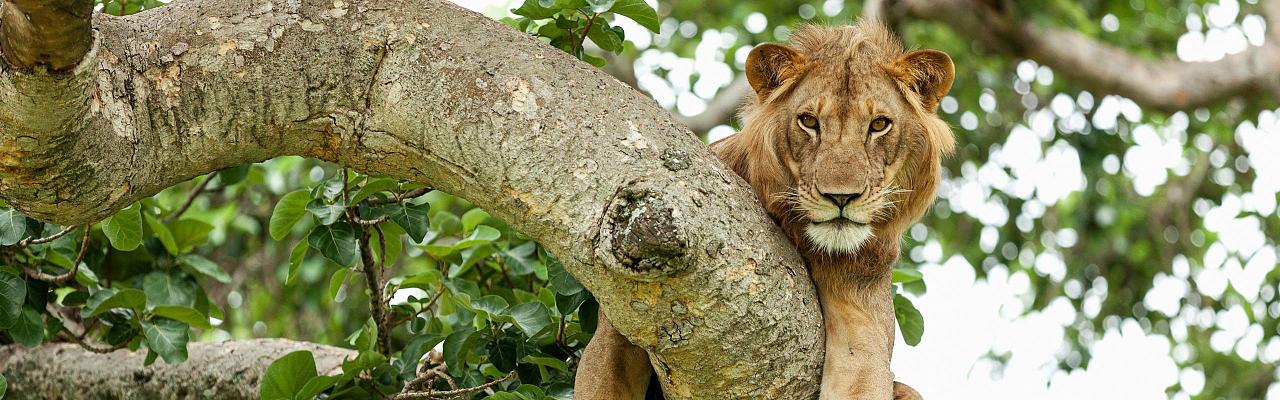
456, 392
41, 276
366, 222
30, 241
191, 197
403, 196
583, 40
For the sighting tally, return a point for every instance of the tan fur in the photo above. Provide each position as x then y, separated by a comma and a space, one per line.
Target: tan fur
846, 77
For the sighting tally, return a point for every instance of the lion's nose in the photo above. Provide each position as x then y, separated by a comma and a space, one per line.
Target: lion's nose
842, 199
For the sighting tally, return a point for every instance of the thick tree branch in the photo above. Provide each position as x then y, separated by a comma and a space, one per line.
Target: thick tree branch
216, 370
50, 33
1166, 84
722, 108
635, 207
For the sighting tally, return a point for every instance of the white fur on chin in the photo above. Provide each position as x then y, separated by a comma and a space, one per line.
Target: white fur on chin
838, 239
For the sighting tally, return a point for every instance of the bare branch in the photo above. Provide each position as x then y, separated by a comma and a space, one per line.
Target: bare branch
722, 108
191, 197
30, 241
1167, 84
45, 277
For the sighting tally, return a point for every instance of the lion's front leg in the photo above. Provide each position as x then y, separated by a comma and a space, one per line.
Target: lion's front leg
612, 368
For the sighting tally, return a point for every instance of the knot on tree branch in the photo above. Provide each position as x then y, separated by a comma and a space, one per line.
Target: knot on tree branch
642, 234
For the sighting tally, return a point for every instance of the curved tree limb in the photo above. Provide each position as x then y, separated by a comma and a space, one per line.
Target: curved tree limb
1165, 84
213, 370
679, 253
52, 33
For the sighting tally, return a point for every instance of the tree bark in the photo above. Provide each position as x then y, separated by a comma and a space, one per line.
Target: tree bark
214, 370
679, 253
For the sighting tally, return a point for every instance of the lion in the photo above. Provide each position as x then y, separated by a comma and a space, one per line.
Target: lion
843, 147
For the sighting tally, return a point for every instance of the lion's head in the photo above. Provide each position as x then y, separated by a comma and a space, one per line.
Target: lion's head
842, 142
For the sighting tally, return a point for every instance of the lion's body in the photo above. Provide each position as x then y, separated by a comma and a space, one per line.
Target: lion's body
842, 147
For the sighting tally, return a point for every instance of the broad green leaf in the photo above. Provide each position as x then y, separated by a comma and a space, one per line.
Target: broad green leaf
547, 361
490, 304
29, 329
161, 232
107, 299
286, 376
189, 233
374, 186
599, 6
172, 287
4, 386
604, 36
168, 338
638, 11
902, 275
456, 347
315, 386
324, 212
13, 226
124, 229
13, 291
365, 360
413, 352
336, 242
205, 266
561, 280
336, 281
289, 210
394, 243
531, 317
502, 353
186, 315
234, 175
473, 218
296, 256
909, 319
411, 217
532, 9
483, 234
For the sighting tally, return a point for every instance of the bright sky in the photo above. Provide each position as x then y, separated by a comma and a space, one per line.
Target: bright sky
967, 319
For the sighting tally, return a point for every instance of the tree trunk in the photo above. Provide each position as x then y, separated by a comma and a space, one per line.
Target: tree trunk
677, 250
214, 370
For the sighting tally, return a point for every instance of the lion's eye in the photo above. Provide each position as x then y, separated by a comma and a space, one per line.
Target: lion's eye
880, 124
808, 121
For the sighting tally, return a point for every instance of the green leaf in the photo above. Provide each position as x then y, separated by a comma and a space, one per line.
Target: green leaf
4, 386
909, 319
473, 218
561, 280
335, 282
13, 226
599, 6
490, 304
161, 232
413, 352
124, 229
533, 9
287, 376
483, 234
172, 287
547, 361
29, 330
289, 210
336, 242
234, 175
503, 353
189, 233
107, 299
186, 315
456, 347
638, 11
364, 361
324, 212
296, 256
411, 217
13, 291
168, 338
531, 317
394, 243
374, 186
902, 275
608, 39
205, 266
315, 386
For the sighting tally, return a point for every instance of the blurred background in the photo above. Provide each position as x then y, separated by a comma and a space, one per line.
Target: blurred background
1084, 245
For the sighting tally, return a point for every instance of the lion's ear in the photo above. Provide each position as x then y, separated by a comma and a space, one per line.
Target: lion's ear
769, 65
929, 73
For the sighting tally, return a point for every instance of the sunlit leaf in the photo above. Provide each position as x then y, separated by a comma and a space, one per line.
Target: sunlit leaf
289, 210
124, 229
